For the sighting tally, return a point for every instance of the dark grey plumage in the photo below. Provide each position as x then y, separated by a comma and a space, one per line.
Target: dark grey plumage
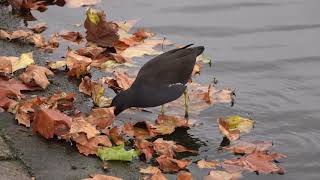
161, 80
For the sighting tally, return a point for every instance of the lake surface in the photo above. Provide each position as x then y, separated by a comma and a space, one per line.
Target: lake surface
269, 51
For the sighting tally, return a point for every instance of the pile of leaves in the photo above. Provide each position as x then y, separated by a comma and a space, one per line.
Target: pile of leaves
109, 45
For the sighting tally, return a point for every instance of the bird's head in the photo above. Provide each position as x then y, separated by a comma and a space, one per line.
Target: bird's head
121, 102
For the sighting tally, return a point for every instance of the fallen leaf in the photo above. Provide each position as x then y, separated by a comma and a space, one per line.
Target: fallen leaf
91, 52
243, 147
116, 153
168, 148
36, 76
145, 147
196, 69
78, 65
233, 126
91, 146
102, 177
258, 161
72, 36
149, 170
204, 59
207, 164
168, 164
166, 124
9, 64
79, 3
79, 125
184, 176
39, 28
56, 64
222, 175
101, 117
99, 31
46, 121
116, 136
140, 130
13, 88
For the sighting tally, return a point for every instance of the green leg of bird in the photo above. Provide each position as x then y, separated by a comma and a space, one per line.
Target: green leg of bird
186, 102
162, 109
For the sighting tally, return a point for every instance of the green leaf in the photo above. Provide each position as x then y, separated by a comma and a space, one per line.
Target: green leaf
240, 123
117, 153
93, 16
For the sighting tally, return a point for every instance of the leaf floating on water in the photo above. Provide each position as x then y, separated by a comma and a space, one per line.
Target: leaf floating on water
234, 125
204, 59
168, 148
168, 164
243, 147
117, 153
222, 175
39, 28
102, 177
140, 130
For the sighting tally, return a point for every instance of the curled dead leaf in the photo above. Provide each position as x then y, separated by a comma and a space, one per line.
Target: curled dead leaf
168, 164
207, 164
36, 76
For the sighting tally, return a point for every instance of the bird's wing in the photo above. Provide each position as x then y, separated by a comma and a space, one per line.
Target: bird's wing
168, 68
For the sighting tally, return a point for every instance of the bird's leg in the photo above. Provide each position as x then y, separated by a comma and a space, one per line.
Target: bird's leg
186, 101
162, 109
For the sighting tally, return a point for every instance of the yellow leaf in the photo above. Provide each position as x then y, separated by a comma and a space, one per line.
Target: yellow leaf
25, 60
93, 16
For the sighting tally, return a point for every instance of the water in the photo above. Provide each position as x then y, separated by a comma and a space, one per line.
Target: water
267, 50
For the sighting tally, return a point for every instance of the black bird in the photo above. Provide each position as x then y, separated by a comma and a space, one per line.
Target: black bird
161, 80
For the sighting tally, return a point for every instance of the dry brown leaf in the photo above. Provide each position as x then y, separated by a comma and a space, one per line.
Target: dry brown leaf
72, 36
13, 88
232, 135
80, 125
91, 52
168, 148
47, 121
183, 175
207, 164
168, 164
222, 175
78, 65
116, 136
102, 177
259, 161
243, 147
99, 30
166, 124
158, 176
145, 147
140, 130
101, 117
36, 76
90, 146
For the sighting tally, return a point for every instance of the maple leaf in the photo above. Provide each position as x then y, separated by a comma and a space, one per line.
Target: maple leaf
116, 136
36, 76
99, 31
78, 65
166, 124
80, 125
9, 64
233, 126
72, 36
90, 146
145, 147
168, 164
140, 130
91, 52
243, 147
13, 88
47, 121
168, 148
150, 170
